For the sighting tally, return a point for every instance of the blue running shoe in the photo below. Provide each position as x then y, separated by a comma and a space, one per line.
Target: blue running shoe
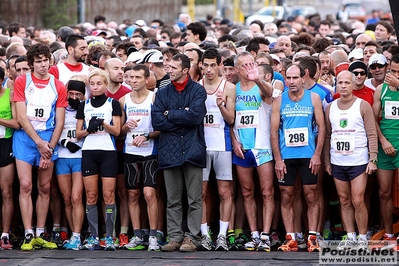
74, 243
91, 243
109, 244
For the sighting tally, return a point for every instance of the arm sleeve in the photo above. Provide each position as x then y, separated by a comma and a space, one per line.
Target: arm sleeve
116, 108
80, 112
369, 125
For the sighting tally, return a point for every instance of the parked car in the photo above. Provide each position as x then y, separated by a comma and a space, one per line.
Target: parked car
268, 14
302, 10
355, 8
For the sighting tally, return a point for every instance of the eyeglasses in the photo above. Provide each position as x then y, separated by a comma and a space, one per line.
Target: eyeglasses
356, 73
374, 66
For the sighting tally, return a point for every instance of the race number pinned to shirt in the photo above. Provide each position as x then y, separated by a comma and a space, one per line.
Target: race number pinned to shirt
296, 137
38, 112
133, 134
391, 110
343, 144
247, 119
212, 119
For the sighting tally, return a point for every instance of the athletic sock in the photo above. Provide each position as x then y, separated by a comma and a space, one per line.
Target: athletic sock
124, 229
204, 229
110, 214
92, 219
39, 231
223, 227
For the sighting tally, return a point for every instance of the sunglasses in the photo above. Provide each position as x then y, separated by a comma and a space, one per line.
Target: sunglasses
356, 73
374, 66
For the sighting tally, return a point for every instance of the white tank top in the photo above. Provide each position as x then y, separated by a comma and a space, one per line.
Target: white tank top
348, 136
140, 111
214, 124
101, 140
65, 74
69, 132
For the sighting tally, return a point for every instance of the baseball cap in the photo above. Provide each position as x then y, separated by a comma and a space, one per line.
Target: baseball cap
135, 57
140, 23
275, 57
356, 54
378, 59
152, 56
357, 64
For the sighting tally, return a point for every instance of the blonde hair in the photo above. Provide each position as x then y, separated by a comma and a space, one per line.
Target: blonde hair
101, 73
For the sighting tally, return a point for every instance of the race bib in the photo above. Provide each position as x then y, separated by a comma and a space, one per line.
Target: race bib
343, 144
247, 119
213, 119
296, 137
133, 134
38, 112
391, 110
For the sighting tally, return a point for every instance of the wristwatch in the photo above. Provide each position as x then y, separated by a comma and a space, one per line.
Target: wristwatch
374, 161
146, 135
166, 113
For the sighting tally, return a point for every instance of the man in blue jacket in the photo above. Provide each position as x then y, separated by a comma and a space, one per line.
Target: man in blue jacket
178, 113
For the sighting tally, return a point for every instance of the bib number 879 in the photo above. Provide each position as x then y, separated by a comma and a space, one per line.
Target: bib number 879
343, 146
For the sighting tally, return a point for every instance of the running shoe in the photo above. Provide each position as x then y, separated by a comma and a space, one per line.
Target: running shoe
240, 241
109, 244
231, 241
74, 243
41, 242
252, 244
153, 244
362, 245
275, 239
27, 245
327, 234
289, 244
123, 240
301, 243
136, 243
320, 241
56, 237
160, 238
221, 243
312, 244
206, 243
5, 243
64, 236
347, 243
264, 244
91, 243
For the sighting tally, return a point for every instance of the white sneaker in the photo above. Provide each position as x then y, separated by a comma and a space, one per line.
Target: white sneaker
153, 244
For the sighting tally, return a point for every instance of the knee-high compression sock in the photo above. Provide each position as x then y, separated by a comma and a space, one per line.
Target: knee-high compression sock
110, 214
92, 218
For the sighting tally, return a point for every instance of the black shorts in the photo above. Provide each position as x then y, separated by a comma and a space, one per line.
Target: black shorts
6, 154
120, 162
140, 169
96, 162
347, 173
305, 172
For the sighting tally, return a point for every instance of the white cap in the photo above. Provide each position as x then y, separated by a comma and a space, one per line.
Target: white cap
275, 57
378, 59
135, 57
356, 53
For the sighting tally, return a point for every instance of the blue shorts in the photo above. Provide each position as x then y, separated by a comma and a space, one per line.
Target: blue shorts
65, 166
253, 158
25, 149
347, 173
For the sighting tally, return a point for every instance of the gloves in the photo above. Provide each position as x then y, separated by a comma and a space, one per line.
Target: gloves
94, 123
74, 103
72, 147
